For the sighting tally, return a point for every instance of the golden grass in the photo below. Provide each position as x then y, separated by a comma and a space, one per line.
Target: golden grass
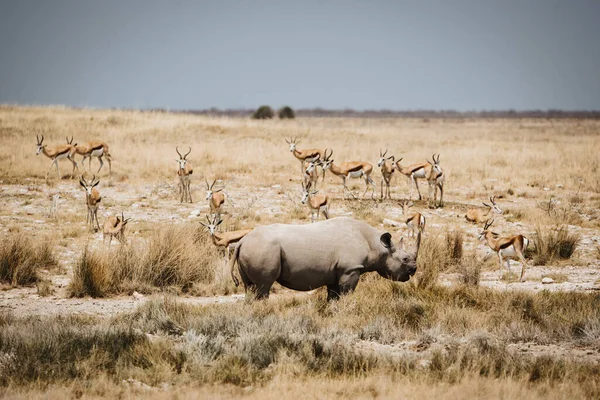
497, 154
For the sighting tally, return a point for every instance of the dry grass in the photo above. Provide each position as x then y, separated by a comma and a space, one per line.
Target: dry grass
21, 257
438, 254
176, 257
462, 332
554, 244
143, 145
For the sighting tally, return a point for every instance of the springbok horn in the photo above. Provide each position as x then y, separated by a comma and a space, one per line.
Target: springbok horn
186, 154
177, 150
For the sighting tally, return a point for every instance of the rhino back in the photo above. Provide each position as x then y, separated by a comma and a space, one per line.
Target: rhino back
304, 257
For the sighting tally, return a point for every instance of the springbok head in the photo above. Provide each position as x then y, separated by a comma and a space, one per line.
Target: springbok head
70, 141
123, 220
306, 193
405, 204
182, 159
212, 224
89, 186
436, 165
486, 228
40, 145
382, 158
327, 161
493, 205
292, 142
209, 189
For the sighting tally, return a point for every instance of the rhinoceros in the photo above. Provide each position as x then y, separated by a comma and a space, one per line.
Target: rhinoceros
332, 253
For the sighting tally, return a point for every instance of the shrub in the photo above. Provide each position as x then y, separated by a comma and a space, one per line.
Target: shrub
436, 255
287, 112
554, 244
263, 112
175, 256
21, 257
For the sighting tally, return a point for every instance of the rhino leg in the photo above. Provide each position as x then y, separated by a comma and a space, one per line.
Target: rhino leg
347, 281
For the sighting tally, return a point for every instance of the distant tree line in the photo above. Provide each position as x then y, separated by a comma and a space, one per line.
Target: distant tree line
266, 112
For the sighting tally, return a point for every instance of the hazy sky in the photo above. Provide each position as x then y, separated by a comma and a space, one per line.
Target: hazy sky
402, 55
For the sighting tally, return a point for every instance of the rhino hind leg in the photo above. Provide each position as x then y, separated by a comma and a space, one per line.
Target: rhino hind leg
347, 282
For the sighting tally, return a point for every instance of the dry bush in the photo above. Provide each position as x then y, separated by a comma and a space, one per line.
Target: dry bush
21, 256
260, 343
437, 254
470, 270
175, 257
554, 244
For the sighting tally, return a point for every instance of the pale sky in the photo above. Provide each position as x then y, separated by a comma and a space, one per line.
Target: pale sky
399, 55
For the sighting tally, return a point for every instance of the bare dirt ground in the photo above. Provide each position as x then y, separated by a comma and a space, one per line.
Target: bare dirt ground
28, 206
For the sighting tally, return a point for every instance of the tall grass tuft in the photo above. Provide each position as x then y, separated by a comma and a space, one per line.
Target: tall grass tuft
554, 244
175, 257
438, 254
21, 256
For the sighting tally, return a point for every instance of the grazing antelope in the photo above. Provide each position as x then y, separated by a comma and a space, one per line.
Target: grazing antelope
351, 169
224, 239
478, 216
92, 198
506, 246
97, 149
430, 171
114, 226
215, 199
57, 153
184, 171
315, 203
311, 175
415, 222
387, 170
306, 155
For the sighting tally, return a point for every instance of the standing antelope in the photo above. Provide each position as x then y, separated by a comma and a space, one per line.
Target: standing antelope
506, 246
306, 155
92, 198
351, 169
415, 222
387, 170
431, 171
97, 149
184, 171
478, 216
315, 203
114, 226
225, 239
56, 153
215, 199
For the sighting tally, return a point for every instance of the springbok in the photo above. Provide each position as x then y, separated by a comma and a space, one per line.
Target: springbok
351, 169
184, 171
97, 149
316, 203
387, 170
506, 246
114, 226
92, 200
430, 171
415, 222
306, 155
215, 199
311, 175
57, 153
478, 216
224, 239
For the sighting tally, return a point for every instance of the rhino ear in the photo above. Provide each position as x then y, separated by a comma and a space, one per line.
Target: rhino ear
386, 241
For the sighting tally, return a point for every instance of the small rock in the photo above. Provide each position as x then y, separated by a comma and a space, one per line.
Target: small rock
276, 187
546, 189
391, 222
560, 186
137, 296
547, 280
195, 213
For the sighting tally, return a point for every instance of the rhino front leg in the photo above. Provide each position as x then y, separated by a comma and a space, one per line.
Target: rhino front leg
347, 281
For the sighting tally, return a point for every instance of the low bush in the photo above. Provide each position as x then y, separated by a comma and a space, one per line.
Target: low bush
21, 256
554, 244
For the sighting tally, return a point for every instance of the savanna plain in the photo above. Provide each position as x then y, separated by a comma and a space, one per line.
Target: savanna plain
158, 316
